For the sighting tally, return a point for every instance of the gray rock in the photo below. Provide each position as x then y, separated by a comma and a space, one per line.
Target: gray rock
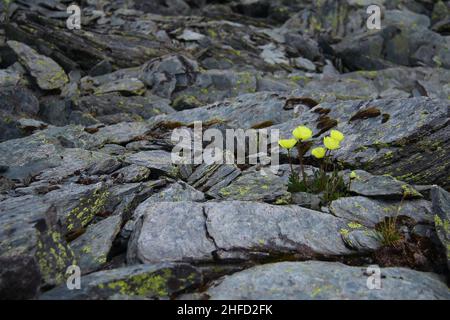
9, 78
211, 178
386, 186
363, 240
132, 173
243, 112
18, 100
307, 200
31, 124
154, 160
386, 146
231, 230
155, 281
182, 238
255, 185
122, 133
369, 212
326, 280
129, 86
178, 191
113, 108
92, 248
48, 74
441, 209
164, 75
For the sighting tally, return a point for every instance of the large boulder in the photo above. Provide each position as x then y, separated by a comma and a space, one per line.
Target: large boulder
326, 280
382, 136
232, 229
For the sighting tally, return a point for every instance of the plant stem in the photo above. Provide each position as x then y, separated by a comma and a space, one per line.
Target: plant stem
300, 159
290, 161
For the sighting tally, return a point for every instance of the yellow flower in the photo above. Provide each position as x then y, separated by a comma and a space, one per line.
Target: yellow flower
353, 175
330, 143
319, 152
287, 143
302, 133
337, 135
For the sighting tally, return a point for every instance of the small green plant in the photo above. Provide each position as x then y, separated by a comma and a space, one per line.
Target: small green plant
330, 184
387, 232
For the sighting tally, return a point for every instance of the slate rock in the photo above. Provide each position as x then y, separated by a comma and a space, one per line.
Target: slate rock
326, 280
20, 278
92, 248
441, 209
154, 281
232, 230
384, 186
157, 160
369, 212
48, 74
132, 173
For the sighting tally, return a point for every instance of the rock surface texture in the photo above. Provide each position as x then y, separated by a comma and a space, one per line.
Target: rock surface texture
89, 120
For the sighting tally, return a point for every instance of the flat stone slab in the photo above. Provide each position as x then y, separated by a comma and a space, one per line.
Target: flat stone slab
155, 159
369, 212
314, 280
385, 186
186, 231
48, 74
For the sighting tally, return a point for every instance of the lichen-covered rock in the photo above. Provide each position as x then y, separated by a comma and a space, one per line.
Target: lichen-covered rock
326, 280
369, 212
257, 185
247, 111
48, 74
384, 186
381, 135
157, 160
441, 210
132, 173
122, 133
182, 238
130, 86
92, 248
154, 281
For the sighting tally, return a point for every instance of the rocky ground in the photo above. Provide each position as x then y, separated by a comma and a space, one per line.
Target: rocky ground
85, 168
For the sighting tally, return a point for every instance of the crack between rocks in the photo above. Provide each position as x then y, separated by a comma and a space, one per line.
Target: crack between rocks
207, 233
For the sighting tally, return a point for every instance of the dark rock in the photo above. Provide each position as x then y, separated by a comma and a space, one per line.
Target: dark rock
441, 209
154, 281
48, 74
92, 248
20, 278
